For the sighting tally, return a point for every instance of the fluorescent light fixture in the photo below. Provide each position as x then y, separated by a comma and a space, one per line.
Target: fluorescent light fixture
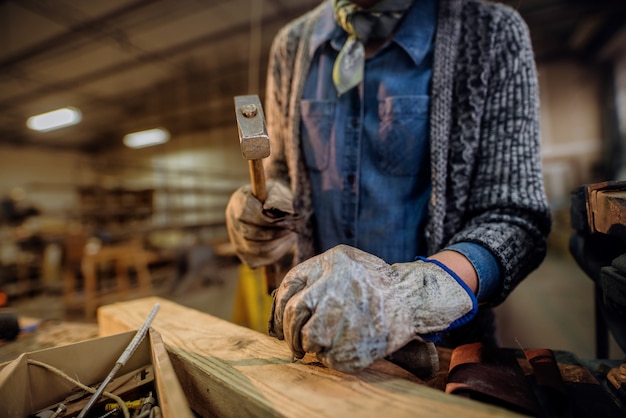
147, 138
56, 119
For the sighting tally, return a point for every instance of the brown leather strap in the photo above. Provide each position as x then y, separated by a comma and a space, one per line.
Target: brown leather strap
549, 389
491, 375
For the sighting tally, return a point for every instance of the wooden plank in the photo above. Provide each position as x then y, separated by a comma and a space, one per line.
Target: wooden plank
230, 371
171, 395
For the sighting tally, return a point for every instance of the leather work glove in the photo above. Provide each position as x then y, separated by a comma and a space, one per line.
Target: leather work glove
261, 233
351, 308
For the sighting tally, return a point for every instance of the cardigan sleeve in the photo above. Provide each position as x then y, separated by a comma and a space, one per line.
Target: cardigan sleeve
276, 106
507, 210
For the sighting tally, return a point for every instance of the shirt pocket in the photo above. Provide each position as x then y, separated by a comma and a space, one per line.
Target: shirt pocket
317, 120
402, 142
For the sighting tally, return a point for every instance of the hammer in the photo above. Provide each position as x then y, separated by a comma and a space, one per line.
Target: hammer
255, 145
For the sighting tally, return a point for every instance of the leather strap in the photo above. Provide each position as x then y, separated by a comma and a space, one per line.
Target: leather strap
491, 375
549, 386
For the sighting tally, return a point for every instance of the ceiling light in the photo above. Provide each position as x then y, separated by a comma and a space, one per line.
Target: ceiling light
147, 138
56, 119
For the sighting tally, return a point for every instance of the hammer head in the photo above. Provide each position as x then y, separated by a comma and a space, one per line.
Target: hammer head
255, 143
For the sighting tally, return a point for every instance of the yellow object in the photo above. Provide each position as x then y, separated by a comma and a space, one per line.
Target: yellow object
129, 404
252, 302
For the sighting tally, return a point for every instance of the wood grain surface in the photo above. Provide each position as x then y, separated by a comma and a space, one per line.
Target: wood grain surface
231, 371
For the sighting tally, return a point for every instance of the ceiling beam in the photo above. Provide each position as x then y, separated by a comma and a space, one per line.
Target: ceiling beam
20, 57
140, 60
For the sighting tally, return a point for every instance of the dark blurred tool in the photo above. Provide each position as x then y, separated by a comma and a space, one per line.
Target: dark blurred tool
121, 361
617, 378
13, 213
255, 145
598, 216
9, 326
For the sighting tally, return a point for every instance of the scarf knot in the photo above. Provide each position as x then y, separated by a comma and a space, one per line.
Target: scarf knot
362, 25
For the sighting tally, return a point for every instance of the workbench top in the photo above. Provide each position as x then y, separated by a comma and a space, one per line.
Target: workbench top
229, 370
45, 334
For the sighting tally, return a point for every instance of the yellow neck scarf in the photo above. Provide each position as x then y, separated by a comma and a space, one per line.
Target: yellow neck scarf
377, 22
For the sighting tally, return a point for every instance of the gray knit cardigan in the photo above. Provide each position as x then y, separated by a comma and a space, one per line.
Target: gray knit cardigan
484, 135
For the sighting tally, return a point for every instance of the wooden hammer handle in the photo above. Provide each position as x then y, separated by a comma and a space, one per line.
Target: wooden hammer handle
271, 278
259, 190
257, 178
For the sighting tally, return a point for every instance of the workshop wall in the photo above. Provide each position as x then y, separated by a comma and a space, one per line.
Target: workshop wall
192, 175
190, 179
572, 137
570, 127
45, 178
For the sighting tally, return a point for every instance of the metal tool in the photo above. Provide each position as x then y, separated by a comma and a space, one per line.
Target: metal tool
255, 145
148, 403
254, 140
59, 411
49, 413
121, 361
112, 413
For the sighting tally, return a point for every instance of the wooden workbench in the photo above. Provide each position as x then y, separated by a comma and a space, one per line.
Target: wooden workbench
227, 370
46, 334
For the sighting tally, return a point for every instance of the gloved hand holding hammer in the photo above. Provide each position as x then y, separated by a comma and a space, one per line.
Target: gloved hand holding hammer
261, 232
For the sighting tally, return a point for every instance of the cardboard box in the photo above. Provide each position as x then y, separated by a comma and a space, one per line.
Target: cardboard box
26, 388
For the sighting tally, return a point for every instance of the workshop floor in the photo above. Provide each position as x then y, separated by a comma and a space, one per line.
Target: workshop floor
553, 308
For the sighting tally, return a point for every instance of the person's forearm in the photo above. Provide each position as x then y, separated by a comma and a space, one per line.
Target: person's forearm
459, 264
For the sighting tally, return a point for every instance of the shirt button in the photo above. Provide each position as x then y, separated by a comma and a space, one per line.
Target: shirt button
348, 232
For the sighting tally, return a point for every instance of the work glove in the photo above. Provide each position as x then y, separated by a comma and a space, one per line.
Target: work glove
351, 308
261, 232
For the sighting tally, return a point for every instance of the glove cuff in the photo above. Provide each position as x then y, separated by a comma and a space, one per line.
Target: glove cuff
470, 314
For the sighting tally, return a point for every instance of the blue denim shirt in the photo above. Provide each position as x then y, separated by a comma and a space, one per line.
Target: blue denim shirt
367, 151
